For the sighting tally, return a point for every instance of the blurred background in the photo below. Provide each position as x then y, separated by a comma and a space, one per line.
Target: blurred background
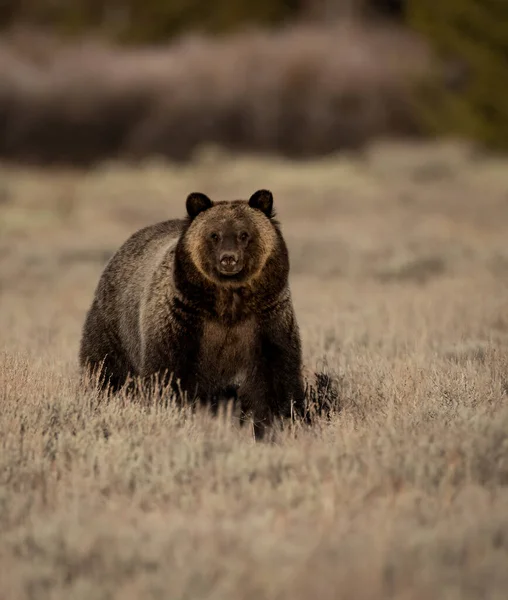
381, 128
86, 80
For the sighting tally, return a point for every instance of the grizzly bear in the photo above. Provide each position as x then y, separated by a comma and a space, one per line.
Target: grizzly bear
202, 302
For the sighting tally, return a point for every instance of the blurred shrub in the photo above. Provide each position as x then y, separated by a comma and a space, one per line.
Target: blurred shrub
468, 94
298, 92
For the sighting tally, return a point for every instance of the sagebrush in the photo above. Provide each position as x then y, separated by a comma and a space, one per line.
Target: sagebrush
303, 91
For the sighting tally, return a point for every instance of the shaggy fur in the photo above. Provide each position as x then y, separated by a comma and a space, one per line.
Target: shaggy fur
205, 302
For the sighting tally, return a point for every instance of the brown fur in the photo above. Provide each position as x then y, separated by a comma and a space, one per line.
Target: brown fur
164, 307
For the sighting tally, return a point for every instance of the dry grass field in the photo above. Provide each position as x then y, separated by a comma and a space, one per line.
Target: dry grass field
400, 282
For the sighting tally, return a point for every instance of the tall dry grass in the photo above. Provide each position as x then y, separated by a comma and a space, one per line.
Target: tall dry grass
302, 91
399, 277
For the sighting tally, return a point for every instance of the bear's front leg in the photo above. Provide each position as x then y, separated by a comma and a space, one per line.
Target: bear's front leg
282, 365
171, 360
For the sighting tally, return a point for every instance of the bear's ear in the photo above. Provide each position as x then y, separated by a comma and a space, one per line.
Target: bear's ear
262, 200
196, 203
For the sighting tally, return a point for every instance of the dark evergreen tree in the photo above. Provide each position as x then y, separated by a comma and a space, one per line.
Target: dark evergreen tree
468, 94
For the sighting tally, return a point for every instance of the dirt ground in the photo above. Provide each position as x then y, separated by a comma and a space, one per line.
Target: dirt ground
399, 262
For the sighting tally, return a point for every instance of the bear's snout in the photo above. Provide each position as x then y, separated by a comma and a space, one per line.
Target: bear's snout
229, 258
229, 262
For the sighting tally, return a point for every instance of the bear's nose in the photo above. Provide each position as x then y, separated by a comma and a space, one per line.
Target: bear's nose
228, 259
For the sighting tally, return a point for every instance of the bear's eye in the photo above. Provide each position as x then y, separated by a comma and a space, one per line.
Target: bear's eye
244, 236
214, 237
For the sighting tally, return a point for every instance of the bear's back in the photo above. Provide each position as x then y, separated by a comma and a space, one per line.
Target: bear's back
138, 255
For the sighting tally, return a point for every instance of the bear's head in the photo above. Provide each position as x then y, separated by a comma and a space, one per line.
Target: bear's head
231, 242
